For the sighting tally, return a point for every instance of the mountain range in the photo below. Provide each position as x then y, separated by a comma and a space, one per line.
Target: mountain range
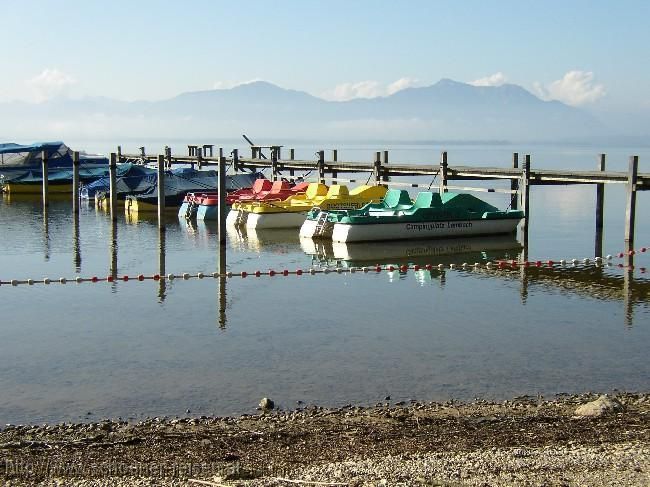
447, 110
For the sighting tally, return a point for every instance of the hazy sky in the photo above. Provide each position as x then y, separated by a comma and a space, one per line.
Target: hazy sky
586, 53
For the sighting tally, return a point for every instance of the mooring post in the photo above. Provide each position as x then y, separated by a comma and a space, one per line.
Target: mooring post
168, 155
292, 154
142, 152
514, 183
442, 172
524, 189
335, 157
253, 152
274, 163
119, 154
321, 166
199, 157
235, 159
630, 212
220, 152
75, 182
112, 181
46, 189
161, 191
222, 202
385, 165
376, 169
600, 204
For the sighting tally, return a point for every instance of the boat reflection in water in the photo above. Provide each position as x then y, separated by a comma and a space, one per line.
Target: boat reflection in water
272, 240
412, 252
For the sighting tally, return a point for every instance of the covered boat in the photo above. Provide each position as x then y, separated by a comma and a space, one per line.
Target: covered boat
21, 169
292, 211
180, 182
432, 215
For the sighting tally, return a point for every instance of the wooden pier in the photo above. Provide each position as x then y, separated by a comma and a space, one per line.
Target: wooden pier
439, 175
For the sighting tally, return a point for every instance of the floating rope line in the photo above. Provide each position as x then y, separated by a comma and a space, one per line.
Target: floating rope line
490, 265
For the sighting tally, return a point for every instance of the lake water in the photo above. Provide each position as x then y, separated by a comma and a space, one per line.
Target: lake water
134, 349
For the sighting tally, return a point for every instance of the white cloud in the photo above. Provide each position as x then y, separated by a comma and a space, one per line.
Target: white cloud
367, 89
496, 79
50, 83
574, 88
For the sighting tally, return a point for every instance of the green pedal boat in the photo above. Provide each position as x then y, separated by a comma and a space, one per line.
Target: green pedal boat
432, 215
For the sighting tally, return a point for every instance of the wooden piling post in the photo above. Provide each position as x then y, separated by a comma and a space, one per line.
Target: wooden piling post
235, 159
221, 188
630, 212
385, 165
335, 157
119, 154
112, 178
274, 163
321, 166
600, 204
253, 152
75, 182
161, 191
168, 155
46, 188
292, 154
514, 183
442, 172
377, 168
199, 157
524, 190
142, 152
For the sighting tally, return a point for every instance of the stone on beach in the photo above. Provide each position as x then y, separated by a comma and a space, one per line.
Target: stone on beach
602, 405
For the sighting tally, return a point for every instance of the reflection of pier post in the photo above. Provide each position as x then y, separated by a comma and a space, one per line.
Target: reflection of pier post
76, 246
222, 286
46, 233
113, 268
628, 282
162, 284
523, 270
600, 203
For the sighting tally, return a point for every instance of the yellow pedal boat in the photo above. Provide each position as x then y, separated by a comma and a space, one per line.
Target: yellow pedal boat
291, 212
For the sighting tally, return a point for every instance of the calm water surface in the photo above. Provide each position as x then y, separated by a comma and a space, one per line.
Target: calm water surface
146, 348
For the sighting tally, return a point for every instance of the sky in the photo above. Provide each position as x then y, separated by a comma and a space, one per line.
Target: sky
592, 54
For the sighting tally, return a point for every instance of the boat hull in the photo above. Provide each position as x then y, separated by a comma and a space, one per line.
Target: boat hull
234, 219
36, 188
275, 220
207, 212
309, 229
344, 232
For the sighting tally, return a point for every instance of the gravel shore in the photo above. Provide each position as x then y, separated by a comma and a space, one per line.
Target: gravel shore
527, 441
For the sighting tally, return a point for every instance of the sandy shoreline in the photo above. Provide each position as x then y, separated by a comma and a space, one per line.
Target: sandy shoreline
525, 441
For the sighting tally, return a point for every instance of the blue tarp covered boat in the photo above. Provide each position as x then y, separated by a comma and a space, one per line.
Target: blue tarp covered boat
21, 166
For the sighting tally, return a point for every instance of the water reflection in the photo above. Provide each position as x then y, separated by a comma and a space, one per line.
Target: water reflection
162, 284
76, 245
222, 287
113, 252
420, 252
46, 233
